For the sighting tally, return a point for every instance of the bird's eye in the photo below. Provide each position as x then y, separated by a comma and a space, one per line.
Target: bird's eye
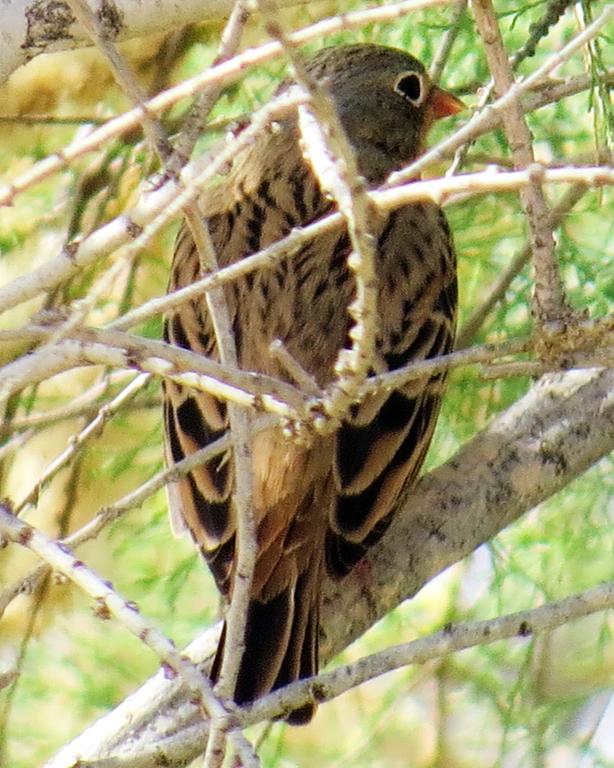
409, 85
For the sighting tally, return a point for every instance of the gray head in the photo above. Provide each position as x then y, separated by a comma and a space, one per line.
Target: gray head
385, 100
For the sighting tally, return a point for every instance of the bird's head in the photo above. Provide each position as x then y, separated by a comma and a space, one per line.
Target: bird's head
386, 103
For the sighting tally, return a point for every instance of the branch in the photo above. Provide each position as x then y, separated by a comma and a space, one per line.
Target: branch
133, 499
549, 300
559, 429
109, 603
333, 161
30, 28
93, 429
329, 685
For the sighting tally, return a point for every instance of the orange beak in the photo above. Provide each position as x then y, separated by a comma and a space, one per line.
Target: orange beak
443, 103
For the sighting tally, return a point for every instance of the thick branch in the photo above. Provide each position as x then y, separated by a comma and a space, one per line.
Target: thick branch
30, 27
559, 429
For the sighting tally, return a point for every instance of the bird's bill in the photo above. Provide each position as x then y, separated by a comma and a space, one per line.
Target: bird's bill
444, 103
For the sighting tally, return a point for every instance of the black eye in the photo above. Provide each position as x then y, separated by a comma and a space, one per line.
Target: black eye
409, 85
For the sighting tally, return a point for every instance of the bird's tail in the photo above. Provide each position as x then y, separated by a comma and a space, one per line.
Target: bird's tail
281, 644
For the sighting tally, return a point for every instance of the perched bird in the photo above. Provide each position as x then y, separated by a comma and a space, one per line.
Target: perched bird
318, 507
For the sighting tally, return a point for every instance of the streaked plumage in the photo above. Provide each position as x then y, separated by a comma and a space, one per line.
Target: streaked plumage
319, 507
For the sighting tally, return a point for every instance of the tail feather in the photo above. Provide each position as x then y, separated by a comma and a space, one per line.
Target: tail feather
281, 646
301, 657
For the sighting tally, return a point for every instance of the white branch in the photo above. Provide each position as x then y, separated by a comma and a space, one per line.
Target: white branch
29, 27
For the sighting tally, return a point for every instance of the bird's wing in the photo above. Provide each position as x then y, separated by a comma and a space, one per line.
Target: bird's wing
199, 500
382, 445
243, 216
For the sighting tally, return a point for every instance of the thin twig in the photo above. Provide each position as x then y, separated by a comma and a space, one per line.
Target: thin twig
123, 74
108, 601
447, 41
246, 549
419, 369
93, 429
114, 348
538, 30
194, 123
245, 542
294, 369
38, 420
550, 304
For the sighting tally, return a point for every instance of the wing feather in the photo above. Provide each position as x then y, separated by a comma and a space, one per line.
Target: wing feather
379, 450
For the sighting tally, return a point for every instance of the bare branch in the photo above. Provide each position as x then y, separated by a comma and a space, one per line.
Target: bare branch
549, 298
124, 76
447, 41
453, 638
194, 123
100, 347
93, 429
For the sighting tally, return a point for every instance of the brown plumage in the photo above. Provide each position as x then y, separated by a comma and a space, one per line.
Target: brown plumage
318, 508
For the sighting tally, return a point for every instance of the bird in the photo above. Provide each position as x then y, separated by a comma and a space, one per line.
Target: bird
318, 506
